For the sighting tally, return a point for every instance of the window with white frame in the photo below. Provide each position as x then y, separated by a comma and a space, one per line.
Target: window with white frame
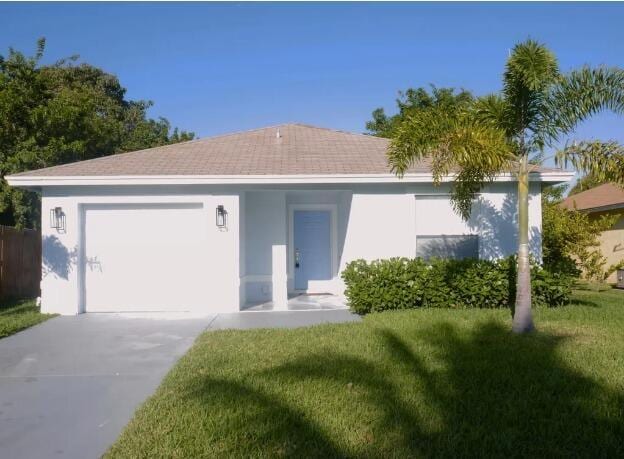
456, 246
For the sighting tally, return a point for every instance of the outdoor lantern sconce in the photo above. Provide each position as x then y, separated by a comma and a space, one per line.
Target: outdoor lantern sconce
57, 219
221, 217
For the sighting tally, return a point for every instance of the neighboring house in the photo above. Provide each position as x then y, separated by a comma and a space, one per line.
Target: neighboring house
220, 223
607, 199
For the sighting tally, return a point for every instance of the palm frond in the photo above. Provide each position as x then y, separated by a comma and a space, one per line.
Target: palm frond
417, 137
494, 110
577, 96
457, 144
602, 160
530, 71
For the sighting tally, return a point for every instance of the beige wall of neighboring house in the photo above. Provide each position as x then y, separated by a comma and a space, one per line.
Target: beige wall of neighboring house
606, 199
612, 241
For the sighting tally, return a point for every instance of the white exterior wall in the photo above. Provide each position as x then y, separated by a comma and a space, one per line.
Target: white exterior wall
381, 224
242, 248
59, 276
62, 278
265, 228
246, 262
381, 221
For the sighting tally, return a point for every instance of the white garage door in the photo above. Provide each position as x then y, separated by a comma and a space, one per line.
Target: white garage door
145, 257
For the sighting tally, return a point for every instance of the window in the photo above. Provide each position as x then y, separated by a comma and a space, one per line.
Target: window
447, 246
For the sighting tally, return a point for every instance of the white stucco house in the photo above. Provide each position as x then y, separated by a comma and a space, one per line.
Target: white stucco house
217, 224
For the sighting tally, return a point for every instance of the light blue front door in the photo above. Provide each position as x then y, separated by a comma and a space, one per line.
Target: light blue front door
312, 247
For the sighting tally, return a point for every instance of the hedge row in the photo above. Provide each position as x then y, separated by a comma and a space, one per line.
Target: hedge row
402, 283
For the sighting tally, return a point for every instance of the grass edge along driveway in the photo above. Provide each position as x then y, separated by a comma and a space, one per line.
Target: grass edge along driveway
17, 315
408, 383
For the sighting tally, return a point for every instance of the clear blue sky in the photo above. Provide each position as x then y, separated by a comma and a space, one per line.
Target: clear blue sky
215, 68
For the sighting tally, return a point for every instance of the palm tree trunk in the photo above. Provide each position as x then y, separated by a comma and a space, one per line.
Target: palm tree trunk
522, 319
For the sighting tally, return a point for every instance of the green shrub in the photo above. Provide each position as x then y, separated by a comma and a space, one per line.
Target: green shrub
478, 283
571, 239
396, 283
402, 283
550, 289
436, 288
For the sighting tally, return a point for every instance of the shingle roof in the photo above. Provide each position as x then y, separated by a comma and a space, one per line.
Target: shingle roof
606, 195
299, 150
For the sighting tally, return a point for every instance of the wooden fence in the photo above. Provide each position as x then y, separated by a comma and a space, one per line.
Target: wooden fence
20, 263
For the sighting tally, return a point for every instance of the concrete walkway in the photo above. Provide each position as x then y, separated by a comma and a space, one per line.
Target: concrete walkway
281, 319
69, 385
303, 302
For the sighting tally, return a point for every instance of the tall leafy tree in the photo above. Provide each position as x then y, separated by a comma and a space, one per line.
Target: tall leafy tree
64, 112
413, 100
501, 133
587, 182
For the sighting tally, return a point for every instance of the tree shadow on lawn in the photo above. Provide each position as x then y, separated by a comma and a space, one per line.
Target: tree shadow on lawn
254, 423
480, 393
581, 302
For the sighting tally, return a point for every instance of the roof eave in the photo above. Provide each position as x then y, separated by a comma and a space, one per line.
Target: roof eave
607, 207
29, 181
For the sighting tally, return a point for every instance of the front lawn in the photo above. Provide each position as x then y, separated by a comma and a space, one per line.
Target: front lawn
421, 383
17, 315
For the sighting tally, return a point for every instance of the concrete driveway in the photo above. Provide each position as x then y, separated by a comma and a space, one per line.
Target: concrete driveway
69, 385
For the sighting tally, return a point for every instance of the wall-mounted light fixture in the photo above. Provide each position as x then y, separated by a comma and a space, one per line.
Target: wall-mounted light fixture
221, 217
57, 219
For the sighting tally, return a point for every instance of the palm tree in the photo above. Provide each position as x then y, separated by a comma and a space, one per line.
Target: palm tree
503, 133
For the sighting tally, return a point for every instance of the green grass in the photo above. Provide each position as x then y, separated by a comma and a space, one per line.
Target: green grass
423, 383
16, 315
